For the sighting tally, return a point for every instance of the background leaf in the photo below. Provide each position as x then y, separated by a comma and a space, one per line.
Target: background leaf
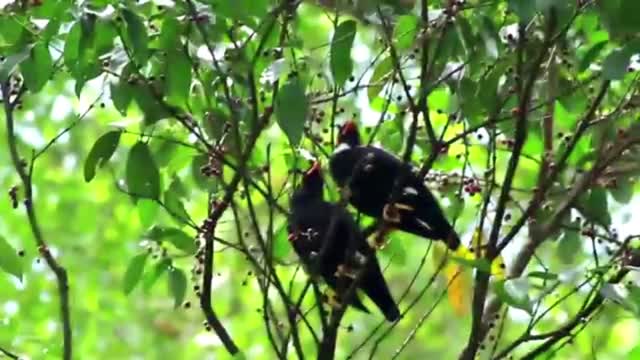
134, 273
341, 43
177, 285
143, 177
178, 75
292, 108
37, 68
10, 262
137, 36
100, 153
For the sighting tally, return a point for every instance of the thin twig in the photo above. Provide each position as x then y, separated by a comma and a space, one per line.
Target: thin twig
43, 247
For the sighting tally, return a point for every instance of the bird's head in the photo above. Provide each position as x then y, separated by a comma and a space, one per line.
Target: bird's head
312, 181
349, 134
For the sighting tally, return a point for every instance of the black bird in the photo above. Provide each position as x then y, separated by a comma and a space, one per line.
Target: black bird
368, 174
329, 243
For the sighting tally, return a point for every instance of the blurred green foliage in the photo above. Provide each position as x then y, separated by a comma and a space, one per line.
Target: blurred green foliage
131, 131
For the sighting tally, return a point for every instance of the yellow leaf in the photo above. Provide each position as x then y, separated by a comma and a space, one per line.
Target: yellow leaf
459, 288
458, 278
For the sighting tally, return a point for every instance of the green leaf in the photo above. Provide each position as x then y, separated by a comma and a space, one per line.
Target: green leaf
515, 293
153, 110
469, 101
147, 211
153, 276
8, 66
570, 245
178, 188
82, 57
620, 16
591, 54
382, 70
37, 68
121, 96
10, 262
242, 10
170, 33
175, 207
340, 62
72, 46
177, 285
51, 30
134, 273
525, 9
489, 36
137, 38
142, 174
100, 153
13, 35
566, 119
177, 237
122, 93
87, 34
104, 38
595, 207
622, 192
292, 107
615, 65
543, 5
178, 82
487, 89
405, 31
181, 240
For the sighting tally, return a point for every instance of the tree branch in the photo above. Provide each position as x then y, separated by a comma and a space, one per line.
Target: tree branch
26, 178
525, 92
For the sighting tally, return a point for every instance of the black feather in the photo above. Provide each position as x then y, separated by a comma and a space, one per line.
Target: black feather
329, 232
371, 173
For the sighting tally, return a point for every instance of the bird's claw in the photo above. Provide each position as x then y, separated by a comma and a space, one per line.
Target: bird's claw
345, 192
345, 271
378, 240
391, 214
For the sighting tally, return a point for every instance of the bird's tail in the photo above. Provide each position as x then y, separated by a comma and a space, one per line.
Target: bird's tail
453, 241
376, 288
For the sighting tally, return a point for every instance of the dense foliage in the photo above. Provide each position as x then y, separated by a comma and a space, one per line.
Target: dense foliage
149, 149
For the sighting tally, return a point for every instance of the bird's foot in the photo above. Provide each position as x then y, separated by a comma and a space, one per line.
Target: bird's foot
346, 193
391, 214
345, 271
378, 239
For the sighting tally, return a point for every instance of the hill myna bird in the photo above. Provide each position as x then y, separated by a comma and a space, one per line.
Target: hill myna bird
368, 175
330, 244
